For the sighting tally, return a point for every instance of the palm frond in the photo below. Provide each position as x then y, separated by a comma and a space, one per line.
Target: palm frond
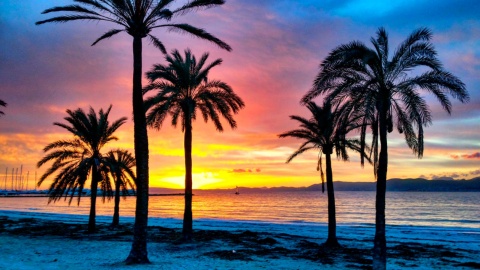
71, 161
196, 5
158, 44
67, 18
195, 32
3, 104
107, 35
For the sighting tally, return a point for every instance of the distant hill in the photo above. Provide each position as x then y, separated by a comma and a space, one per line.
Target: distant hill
395, 184
420, 184
416, 184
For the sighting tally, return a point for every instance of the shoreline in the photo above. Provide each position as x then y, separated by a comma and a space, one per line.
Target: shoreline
225, 244
26, 195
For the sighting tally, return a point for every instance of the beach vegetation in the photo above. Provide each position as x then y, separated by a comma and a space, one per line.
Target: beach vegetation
3, 104
388, 91
120, 165
183, 91
75, 161
325, 131
138, 18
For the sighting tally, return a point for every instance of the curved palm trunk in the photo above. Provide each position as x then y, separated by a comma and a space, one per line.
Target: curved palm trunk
332, 222
93, 200
138, 253
116, 209
380, 242
187, 215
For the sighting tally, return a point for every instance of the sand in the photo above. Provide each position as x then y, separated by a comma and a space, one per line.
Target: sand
57, 242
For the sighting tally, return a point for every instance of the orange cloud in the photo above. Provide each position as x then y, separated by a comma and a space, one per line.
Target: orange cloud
257, 170
467, 156
277, 47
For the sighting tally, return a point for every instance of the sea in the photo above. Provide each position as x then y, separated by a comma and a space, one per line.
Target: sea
438, 209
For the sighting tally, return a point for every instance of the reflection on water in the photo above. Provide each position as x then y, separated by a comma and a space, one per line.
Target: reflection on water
403, 208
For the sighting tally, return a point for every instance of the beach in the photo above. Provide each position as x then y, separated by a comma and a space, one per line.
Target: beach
59, 241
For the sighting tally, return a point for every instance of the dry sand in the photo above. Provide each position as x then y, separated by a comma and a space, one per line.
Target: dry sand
28, 243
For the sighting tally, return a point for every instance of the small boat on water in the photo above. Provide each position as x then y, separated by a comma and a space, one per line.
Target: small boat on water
237, 192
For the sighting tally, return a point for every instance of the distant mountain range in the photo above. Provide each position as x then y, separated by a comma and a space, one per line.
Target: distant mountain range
416, 184
395, 184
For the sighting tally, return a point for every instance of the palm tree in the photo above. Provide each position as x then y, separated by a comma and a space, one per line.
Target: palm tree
4, 104
75, 160
183, 88
387, 91
326, 132
138, 18
120, 164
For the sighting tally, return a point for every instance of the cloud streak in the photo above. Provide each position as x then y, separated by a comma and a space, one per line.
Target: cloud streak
277, 49
467, 156
257, 170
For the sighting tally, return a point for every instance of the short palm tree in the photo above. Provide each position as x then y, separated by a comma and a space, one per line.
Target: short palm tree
76, 160
388, 94
326, 132
120, 164
138, 18
183, 89
3, 104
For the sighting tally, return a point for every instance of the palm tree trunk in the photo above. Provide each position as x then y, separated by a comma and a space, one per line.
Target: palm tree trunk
116, 209
93, 200
380, 242
138, 253
332, 222
187, 215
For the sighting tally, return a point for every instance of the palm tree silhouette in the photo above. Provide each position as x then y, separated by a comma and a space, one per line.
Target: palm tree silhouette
326, 132
138, 18
183, 88
74, 160
120, 164
3, 104
387, 94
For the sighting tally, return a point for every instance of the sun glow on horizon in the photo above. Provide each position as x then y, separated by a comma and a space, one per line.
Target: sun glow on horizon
199, 180
270, 70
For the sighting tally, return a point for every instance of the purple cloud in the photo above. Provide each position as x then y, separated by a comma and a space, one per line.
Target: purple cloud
467, 156
246, 170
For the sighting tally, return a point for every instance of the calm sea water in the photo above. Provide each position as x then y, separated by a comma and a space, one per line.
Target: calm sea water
453, 209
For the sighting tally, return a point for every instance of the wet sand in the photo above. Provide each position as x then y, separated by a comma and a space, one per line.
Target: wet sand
32, 243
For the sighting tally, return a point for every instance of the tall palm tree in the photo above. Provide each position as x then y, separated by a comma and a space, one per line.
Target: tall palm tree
76, 160
120, 164
183, 89
388, 92
3, 104
138, 18
326, 132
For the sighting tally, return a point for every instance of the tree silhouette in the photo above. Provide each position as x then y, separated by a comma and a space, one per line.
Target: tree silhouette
387, 92
120, 164
183, 89
326, 132
76, 160
3, 104
138, 18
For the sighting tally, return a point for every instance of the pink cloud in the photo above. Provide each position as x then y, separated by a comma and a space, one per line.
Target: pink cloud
257, 170
277, 47
467, 156
472, 156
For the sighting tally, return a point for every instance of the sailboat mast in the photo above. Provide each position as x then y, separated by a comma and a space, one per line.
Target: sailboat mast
26, 182
6, 175
13, 171
21, 177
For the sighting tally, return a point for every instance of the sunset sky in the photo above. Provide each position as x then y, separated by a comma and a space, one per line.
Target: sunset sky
277, 49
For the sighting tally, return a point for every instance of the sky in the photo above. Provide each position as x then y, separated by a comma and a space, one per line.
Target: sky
277, 49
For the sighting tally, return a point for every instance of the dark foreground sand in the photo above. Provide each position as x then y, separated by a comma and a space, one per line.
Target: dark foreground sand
28, 243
